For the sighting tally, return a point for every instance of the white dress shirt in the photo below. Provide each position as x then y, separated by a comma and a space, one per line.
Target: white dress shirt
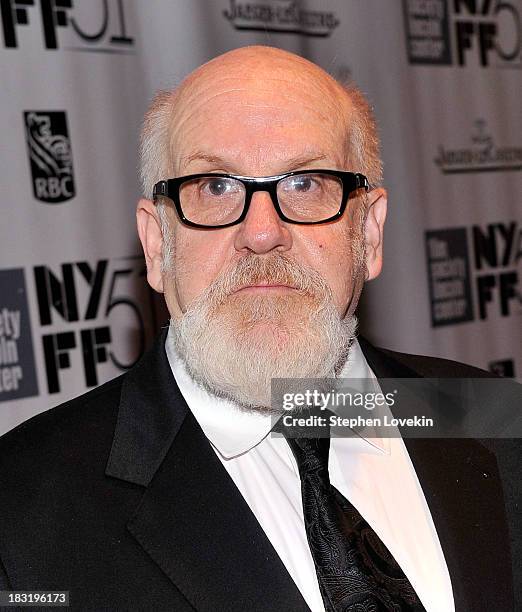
375, 475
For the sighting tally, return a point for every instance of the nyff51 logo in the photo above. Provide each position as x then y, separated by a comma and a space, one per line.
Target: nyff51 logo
95, 316
86, 25
50, 156
462, 32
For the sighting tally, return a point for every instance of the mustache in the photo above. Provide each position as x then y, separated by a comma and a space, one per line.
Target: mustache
274, 268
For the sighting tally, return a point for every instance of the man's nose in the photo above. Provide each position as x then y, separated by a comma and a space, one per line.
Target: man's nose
262, 230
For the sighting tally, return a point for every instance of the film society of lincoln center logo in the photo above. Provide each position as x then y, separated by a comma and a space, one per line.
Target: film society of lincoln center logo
487, 33
50, 156
281, 17
17, 369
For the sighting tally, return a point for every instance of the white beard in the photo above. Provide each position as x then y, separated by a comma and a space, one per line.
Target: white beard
233, 344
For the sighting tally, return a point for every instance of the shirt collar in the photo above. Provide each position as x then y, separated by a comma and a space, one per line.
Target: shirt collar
233, 431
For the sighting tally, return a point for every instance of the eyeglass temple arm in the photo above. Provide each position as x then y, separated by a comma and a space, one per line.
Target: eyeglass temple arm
160, 189
362, 181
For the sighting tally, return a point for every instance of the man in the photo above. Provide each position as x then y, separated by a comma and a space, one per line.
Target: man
163, 489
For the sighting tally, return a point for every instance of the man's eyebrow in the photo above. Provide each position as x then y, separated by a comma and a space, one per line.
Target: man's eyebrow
299, 161
201, 156
289, 163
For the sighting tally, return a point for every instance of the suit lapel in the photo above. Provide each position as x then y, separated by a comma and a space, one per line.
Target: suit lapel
461, 483
192, 520
197, 527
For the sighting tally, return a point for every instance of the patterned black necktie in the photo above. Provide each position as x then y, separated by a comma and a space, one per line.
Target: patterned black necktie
356, 572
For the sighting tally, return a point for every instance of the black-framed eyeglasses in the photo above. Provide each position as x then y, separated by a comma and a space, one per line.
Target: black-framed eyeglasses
305, 197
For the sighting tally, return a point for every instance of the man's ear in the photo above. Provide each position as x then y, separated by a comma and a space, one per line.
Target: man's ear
373, 229
149, 230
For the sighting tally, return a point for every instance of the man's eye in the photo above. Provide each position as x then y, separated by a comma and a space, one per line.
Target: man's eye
218, 187
302, 183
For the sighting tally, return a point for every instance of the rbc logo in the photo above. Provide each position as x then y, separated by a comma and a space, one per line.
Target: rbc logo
50, 156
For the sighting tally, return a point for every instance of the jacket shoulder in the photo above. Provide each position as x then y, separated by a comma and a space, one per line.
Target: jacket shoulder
435, 367
60, 437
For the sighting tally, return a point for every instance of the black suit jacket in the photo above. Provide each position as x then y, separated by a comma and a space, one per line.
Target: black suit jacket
118, 497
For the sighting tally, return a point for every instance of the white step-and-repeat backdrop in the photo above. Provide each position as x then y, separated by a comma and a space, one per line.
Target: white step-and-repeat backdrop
444, 76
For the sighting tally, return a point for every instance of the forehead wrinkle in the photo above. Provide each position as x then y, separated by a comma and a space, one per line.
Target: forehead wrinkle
252, 100
332, 108
316, 83
278, 150
265, 150
185, 120
293, 162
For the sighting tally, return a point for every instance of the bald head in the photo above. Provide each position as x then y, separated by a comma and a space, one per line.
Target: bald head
255, 90
253, 65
